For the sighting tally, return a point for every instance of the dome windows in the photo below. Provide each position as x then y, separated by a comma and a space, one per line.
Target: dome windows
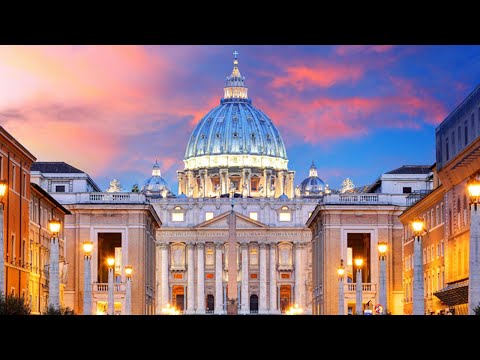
235, 135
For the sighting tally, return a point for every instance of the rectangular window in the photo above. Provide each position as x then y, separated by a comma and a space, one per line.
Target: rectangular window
254, 183
473, 126
441, 248
466, 134
208, 215
437, 215
454, 149
13, 177
441, 212
14, 249
428, 254
285, 216
424, 256
1, 168
179, 216
438, 251
407, 189
24, 187
447, 153
253, 215
60, 188
459, 133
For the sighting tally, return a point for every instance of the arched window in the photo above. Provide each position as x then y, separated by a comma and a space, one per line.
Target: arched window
253, 304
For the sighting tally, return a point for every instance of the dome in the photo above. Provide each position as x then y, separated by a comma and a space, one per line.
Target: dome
156, 185
235, 133
313, 185
283, 197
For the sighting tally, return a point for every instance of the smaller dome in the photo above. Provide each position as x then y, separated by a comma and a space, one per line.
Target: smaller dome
156, 185
283, 197
182, 196
313, 185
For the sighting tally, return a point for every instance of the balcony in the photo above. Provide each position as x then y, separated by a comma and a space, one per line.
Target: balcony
100, 197
103, 288
416, 196
363, 199
369, 291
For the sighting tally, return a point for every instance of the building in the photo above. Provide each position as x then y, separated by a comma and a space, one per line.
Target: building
430, 207
43, 207
349, 225
457, 149
235, 173
120, 225
15, 163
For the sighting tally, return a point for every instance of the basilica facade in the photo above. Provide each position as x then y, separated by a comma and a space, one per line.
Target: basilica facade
236, 166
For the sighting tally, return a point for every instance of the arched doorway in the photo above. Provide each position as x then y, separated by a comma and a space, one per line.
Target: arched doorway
285, 297
253, 304
178, 294
210, 303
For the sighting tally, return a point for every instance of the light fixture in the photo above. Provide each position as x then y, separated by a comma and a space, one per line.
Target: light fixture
341, 269
54, 226
473, 186
417, 226
110, 262
358, 262
382, 248
3, 187
87, 248
128, 271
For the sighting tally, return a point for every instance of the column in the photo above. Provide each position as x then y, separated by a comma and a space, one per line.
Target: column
382, 282
418, 297
190, 278
245, 298
359, 293
164, 278
298, 274
341, 295
54, 276
273, 278
111, 293
128, 296
262, 306
2, 251
474, 260
218, 279
200, 279
87, 286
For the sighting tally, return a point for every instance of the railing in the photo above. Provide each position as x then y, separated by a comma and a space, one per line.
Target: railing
102, 287
253, 311
100, 197
367, 287
209, 311
416, 196
373, 199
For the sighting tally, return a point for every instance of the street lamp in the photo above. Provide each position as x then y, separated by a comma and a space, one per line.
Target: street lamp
87, 277
3, 191
359, 287
382, 251
473, 186
341, 295
111, 303
128, 295
418, 286
54, 275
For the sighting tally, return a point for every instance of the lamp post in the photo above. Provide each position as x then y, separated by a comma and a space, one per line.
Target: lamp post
341, 295
54, 276
418, 287
87, 278
128, 295
382, 283
111, 303
474, 256
3, 191
359, 287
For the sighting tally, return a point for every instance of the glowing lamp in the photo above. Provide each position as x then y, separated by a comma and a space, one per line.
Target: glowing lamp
473, 186
3, 187
382, 248
87, 248
341, 271
110, 262
54, 226
128, 271
417, 226
358, 262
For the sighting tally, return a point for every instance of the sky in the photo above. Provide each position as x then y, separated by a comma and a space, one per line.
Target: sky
112, 111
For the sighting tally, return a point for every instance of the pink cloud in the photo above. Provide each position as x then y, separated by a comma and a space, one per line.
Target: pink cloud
352, 49
323, 75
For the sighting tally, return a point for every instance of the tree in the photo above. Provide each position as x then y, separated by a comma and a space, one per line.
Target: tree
476, 309
61, 311
12, 305
135, 188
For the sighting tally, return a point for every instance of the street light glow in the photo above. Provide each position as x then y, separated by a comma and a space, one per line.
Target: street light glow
358, 262
87, 247
382, 248
128, 270
110, 262
417, 226
54, 226
3, 187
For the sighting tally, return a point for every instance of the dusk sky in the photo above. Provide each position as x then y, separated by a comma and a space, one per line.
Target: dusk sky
357, 111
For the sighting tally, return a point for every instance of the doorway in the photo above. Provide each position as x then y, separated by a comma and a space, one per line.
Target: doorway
253, 304
285, 297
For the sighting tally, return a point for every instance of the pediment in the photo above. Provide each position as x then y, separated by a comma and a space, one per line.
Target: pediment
221, 222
